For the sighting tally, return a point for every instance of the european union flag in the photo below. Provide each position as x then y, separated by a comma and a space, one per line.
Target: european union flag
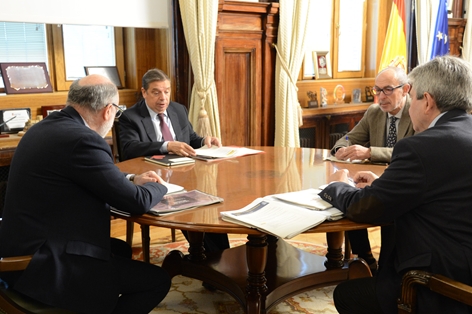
441, 40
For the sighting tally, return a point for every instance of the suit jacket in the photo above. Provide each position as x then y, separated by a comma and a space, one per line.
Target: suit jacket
425, 192
371, 132
138, 137
62, 182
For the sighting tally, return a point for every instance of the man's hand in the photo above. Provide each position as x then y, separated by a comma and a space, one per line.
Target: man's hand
149, 176
364, 178
180, 148
209, 141
341, 175
353, 152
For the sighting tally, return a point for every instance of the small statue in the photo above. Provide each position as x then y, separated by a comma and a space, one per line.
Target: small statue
369, 96
324, 97
356, 96
339, 95
312, 99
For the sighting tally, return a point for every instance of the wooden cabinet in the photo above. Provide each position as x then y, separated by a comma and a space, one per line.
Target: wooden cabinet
244, 70
456, 28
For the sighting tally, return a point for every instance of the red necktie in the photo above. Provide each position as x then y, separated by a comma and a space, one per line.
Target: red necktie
166, 135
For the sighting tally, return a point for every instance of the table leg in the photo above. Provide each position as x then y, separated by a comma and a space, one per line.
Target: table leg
146, 242
335, 253
256, 257
196, 250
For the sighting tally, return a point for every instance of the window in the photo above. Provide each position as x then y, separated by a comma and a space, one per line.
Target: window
86, 45
22, 42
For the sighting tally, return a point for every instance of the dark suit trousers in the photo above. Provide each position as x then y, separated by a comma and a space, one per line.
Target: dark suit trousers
359, 240
213, 242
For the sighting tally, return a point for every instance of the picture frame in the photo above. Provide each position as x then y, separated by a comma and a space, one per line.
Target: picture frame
46, 110
322, 63
25, 77
111, 72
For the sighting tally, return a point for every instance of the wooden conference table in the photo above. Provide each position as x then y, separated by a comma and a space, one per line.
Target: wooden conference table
266, 270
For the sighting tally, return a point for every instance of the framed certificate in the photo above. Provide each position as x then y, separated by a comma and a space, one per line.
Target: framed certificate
23, 78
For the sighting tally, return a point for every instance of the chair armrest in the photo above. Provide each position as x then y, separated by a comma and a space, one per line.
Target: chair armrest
14, 263
438, 283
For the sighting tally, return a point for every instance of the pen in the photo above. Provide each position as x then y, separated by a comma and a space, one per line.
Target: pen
348, 143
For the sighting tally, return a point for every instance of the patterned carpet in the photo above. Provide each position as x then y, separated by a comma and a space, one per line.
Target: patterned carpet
188, 296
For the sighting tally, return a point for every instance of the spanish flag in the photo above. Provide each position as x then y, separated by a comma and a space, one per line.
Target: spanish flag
394, 50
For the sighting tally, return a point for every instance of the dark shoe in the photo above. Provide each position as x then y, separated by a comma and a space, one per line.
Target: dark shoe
209, 287
371, 261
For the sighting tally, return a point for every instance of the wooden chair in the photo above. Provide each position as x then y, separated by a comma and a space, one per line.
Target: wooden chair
118, 157
12, 302
440, 284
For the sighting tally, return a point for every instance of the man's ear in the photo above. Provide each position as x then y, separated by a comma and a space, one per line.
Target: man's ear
107, 112
430, 104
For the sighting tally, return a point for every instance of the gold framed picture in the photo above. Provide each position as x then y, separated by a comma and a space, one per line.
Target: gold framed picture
322, 64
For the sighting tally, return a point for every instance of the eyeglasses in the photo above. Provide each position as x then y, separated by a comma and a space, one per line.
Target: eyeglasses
119, 111
386, 90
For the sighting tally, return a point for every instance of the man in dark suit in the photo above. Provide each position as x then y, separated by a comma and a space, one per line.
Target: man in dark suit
369, 140
141, 132
61, 185
424, 193
140, 126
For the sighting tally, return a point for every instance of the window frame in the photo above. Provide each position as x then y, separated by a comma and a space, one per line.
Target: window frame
57, 57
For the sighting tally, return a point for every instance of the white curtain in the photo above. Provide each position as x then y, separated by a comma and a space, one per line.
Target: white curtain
467, 40
295, 16
199, 18
426, 15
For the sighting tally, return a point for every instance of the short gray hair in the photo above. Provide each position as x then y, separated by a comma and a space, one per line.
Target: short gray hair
91, 97
154, 75
447, 79
399, 74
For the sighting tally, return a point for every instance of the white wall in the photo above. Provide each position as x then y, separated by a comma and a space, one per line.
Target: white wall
121, 13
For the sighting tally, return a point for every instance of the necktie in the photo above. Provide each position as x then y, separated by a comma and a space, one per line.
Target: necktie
166, 135
392, 133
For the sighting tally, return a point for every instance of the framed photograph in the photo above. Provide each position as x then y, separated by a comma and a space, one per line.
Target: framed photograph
322, 64
46, 110
24, 78
14, 120
108, 71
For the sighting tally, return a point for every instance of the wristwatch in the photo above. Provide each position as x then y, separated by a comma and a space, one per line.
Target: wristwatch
130, 177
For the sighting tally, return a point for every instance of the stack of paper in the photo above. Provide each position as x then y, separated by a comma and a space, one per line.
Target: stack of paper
169, 160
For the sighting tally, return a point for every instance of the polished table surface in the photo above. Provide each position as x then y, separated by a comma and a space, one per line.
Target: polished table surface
266, 270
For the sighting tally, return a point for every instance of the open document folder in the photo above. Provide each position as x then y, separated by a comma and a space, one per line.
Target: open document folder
277, 218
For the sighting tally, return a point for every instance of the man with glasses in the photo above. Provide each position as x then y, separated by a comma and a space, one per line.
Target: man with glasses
373, 138
62, 182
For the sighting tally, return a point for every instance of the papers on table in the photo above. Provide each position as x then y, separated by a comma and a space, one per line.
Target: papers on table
355, 161
277, 218
285, 215
169, 160
173, 188
224, 152
175, 202
307, 198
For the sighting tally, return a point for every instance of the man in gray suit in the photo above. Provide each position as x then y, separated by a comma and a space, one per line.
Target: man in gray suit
369, 139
